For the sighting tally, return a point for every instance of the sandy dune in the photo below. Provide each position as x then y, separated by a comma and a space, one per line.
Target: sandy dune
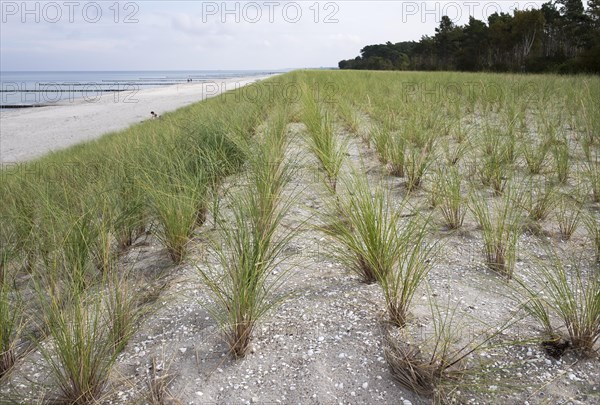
31, 132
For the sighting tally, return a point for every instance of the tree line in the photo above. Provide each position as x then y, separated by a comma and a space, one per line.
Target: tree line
561, 36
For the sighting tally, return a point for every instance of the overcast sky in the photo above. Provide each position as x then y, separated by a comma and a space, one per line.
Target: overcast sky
195, 35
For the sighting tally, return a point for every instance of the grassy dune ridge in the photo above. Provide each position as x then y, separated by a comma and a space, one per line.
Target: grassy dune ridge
67, 217
511, 154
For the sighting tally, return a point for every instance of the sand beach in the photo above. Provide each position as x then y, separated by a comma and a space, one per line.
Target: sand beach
175, 229
28, 133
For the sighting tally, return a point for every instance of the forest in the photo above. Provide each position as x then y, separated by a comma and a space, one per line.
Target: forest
562, 36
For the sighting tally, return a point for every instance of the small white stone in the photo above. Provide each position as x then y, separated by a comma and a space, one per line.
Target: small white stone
254, 400
342, 355
199, 393
321, 338
353, 393
183, 350
365, 385
310, 352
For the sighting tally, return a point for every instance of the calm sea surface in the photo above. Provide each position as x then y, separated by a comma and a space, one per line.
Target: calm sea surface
21, 89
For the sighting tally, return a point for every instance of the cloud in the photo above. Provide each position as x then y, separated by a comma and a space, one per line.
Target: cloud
346, 38
190, 35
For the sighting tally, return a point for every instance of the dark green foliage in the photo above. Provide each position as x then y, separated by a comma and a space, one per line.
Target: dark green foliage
560, 37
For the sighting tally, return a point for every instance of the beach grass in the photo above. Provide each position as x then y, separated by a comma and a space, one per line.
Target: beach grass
68, 216
243, 284
365, 222
567, 293
505, 154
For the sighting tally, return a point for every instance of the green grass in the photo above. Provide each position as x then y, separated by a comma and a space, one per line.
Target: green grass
240, 285
417, 163
539, 199
391, 148
500, 224
568, 214
8, 249
82, 350
365, 223
562, 160
443, 366
452, 201
349, 115
378, 245
569, 294
496, 159
322, 140
415, 260
592, 175
127, 207
122, 302
381, 138
12, 321
593, 229
176, 201
535, 153
68, 218
455, 154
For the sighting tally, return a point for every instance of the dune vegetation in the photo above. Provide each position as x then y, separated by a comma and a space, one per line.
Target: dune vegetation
409, 165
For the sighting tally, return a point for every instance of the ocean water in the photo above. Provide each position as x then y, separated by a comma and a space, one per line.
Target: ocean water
28, 89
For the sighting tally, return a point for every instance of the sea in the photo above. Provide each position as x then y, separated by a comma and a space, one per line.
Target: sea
34, 89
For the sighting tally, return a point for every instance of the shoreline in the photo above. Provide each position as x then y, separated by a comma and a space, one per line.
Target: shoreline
29, 133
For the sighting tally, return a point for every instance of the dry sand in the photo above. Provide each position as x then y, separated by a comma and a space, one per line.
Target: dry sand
324, 344
31, 132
